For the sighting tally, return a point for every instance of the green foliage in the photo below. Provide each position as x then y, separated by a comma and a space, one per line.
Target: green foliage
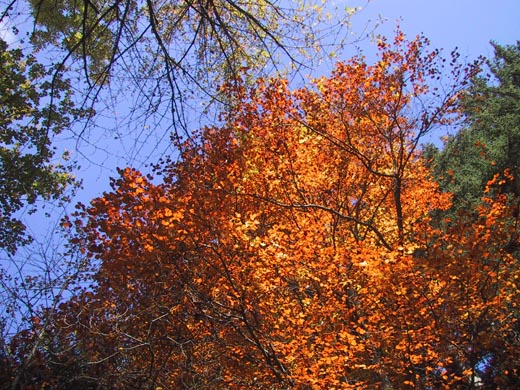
460, 167
490, 142
78, 28
493, 109
29, 118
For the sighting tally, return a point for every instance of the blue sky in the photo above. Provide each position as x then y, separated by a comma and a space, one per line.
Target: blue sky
467, 24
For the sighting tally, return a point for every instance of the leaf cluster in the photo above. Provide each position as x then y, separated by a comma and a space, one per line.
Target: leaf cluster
34, 107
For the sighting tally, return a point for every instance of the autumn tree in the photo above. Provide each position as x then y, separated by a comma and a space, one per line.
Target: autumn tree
157, 54
292, 248
164, 51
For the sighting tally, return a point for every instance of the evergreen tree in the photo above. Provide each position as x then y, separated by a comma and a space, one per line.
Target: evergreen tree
490, 143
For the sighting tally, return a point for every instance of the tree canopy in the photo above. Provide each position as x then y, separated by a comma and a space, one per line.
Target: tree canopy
292, 247
160, 58
173, 55
150, 69
300, 239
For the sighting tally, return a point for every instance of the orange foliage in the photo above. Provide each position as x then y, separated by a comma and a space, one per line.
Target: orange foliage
292, 248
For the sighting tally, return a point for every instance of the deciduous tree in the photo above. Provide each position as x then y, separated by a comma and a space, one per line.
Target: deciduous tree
170, 56
292, 248
33, 111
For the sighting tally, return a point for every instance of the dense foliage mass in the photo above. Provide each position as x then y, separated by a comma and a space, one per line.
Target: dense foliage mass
147, 69
293, 248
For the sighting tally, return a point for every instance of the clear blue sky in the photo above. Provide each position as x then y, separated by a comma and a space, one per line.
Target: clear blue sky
467, 24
